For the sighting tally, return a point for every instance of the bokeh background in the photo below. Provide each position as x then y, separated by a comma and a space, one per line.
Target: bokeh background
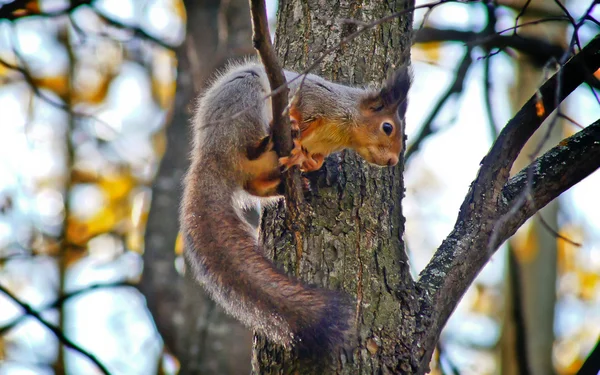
87, 92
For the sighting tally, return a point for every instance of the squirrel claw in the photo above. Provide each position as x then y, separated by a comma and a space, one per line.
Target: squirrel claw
313, 162
301, 157
297, 157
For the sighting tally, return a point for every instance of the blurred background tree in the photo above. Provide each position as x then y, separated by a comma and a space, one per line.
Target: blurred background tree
87, 89
194, 329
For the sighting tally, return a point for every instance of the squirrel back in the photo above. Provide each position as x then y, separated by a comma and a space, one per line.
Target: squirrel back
233, 164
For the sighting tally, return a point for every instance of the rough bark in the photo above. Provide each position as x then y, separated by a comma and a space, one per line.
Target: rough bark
353, 220
203, 338
353, 226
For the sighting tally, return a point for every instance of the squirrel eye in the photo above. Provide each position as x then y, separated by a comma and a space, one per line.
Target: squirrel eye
387, 128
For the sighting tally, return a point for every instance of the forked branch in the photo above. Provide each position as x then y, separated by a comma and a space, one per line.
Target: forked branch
494, 199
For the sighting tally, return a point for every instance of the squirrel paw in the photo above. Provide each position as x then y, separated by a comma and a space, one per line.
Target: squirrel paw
313, 162
300, 157
297, 157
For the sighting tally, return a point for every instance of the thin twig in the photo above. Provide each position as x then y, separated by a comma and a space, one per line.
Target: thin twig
538, 50
554, 232
455, 88
30, 80
57, 332
566, 117
17, 10
64, 298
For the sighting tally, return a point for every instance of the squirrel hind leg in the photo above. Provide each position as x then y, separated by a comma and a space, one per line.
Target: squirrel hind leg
257, 150
261, 166
265, 185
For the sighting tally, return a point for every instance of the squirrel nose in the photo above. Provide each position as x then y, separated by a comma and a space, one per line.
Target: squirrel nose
392, 161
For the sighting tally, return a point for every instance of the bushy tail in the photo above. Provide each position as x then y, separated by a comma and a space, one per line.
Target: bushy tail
226, 258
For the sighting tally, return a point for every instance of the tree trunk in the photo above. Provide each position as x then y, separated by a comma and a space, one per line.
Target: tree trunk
353, 229
203, 338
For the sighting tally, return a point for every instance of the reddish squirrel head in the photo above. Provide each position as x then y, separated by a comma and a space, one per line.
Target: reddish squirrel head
380, 134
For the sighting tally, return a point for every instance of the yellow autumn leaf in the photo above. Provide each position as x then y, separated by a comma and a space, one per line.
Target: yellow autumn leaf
135, 241
163, 93
30, 7
79, 232
73, 254
159, 143
93, 91
179, 244
179, 10
112, 218
4, 71
525, 243
2, 349
486, 302
430, 52
58, 84
79, 176
164, 66
588, 282
140, 205
117, 186
33, 7
566, 356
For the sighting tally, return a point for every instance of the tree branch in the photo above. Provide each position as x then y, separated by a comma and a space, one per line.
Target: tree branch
57, 332
476, 236
280, 127
592, 363
63, 298
537, 49
553, 173
261, 39
19, 9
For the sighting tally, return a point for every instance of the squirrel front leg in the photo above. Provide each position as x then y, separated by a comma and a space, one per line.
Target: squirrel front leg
299, 155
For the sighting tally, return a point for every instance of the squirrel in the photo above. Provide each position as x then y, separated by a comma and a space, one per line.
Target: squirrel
233, 165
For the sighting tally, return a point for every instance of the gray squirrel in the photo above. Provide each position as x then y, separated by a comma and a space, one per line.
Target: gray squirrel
233, 164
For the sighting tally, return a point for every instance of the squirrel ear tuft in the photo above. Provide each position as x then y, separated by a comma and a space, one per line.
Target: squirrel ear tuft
372, 102
395, 91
